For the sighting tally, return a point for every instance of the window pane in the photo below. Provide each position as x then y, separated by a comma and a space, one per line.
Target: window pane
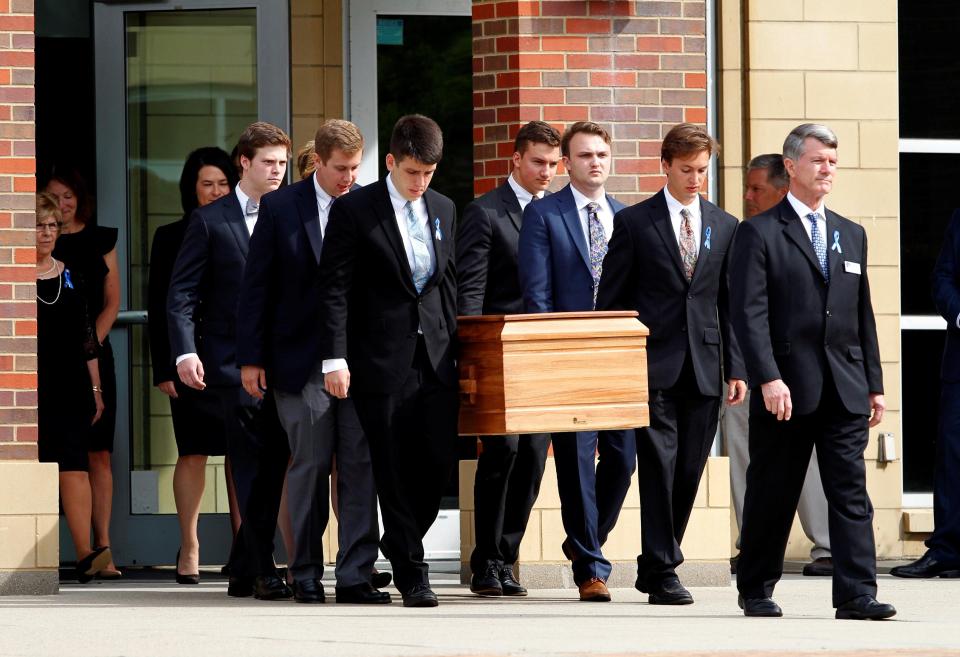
929, 69
921, 352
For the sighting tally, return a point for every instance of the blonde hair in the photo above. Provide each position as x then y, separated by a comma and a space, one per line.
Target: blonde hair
305, 164
48, 206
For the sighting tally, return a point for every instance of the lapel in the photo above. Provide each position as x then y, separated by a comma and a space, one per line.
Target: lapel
567, 206
661, 221
795, 232
511, 206
233, 214
383, 208
834, 259
708, 219
309, 214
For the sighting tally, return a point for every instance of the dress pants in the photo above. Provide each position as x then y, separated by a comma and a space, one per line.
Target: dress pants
779, 454
672, 453
258, 454
318, 426
509, 472
592, 493
413, 447
944, 544
812, 508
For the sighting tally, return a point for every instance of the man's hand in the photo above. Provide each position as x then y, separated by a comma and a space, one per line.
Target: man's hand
254, 380
168, 388
776, 399
190, 370
736, 391
337, 383
879, 405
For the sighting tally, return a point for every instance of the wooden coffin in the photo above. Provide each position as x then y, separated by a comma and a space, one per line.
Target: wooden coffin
552, 372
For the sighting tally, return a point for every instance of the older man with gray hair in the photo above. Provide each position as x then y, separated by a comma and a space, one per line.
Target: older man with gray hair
800, 305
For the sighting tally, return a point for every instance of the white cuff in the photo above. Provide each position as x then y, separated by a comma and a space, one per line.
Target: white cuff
958, 321
333, 365
184, 357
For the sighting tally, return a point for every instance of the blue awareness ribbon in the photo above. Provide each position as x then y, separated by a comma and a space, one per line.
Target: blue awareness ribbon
706, 242
438, 234
66, 278
836, 242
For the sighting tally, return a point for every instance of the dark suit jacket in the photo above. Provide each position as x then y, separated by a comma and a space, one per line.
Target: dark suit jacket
166, 244
280, 294
369, 307
643, 272
790, 324
205, 289
946, 296
554, 257
487, 236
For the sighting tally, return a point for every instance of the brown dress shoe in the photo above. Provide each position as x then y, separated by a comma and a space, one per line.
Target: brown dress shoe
594, 590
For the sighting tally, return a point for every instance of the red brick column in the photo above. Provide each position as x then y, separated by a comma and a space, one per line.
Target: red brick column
635, 67
18, 309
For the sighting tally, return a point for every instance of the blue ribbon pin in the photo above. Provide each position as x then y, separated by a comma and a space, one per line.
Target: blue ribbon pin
836, 242
706, 242
66, 278
437, 234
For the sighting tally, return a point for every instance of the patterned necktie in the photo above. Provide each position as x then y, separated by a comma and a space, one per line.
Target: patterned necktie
252, 209
598, 246
688, 246
819, 244
421, 254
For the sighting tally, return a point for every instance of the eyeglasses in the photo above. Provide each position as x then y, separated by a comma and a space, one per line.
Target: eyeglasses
52, 227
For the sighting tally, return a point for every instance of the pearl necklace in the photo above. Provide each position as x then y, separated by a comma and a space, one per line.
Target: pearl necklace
59, 286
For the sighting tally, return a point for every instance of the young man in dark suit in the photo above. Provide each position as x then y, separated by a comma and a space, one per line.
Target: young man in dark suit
202, 318
942, 558
563, 240
388, 320
278, 346
668, 261
801, 309
510, 468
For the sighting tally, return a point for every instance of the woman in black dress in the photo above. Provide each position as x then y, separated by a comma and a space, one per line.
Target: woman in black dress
199, 429
90, 251
69, 399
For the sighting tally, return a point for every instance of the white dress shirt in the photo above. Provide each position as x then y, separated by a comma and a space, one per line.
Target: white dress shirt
604, 213
523, 196
803, 211
324, 201
420, 212
696, 224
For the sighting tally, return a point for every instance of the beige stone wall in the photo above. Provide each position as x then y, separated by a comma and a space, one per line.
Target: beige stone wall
29, 537
316, 58
835, 63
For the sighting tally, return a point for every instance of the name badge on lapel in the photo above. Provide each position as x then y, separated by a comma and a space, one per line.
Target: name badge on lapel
851, 267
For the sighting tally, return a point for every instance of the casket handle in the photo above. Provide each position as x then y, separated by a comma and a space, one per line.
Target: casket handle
468, 386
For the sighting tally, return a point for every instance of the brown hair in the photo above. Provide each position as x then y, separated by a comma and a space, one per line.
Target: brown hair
305, 160
587, 127
417, 136
258, 135
337, 134
685, 139
536, 132
47, 206
70, 177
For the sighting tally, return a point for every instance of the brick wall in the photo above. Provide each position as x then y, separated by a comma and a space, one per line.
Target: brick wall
18, 311
637, 68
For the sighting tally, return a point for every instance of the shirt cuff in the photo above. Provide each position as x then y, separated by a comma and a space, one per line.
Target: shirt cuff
958, 321
333, 365
184, 357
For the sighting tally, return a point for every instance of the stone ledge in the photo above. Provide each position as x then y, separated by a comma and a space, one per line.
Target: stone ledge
560, 575
29, 582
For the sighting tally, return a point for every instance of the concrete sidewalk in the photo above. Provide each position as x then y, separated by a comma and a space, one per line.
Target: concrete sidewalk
161, 620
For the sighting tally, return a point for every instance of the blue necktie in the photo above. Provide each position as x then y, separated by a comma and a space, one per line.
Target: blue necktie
421, 254
819, 245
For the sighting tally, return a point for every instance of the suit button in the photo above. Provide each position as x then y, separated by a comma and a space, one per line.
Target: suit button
828, 313
683, 328
689, 296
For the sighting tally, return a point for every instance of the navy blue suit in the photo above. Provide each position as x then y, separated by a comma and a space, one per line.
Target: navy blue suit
554, 263
944, 544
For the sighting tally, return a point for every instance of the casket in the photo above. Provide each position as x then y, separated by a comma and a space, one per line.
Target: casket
552, 372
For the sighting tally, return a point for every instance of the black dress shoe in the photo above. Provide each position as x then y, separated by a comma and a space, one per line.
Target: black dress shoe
380, 580
670, 592
92, 564
184, 579
362, 594
509, 583
927, 566
240, 587
271, 587
821, 567
487, 583
865, 607
308, 590
759, 607
420, 595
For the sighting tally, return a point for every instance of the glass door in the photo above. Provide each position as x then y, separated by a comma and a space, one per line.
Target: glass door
171, 77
